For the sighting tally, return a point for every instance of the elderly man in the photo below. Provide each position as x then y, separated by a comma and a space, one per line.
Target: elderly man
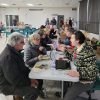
14, 78
32, 53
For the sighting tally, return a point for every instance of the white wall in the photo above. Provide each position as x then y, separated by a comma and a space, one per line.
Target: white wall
36, 18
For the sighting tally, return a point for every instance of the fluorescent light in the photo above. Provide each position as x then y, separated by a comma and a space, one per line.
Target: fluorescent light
4, 4
29, 4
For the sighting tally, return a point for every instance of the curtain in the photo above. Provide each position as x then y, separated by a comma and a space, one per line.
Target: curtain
94, 16
83, 15
91, 21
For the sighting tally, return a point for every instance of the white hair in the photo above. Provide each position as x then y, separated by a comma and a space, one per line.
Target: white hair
15, 38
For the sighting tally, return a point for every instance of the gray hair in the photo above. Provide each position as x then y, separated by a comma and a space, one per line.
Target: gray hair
15, 38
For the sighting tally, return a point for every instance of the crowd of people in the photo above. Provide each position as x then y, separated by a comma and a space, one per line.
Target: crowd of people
14, 68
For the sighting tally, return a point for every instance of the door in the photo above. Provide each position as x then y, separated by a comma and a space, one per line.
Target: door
60, 21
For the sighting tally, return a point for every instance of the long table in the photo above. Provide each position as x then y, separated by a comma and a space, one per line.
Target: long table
50, 73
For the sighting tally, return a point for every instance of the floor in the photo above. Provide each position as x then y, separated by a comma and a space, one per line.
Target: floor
52, 86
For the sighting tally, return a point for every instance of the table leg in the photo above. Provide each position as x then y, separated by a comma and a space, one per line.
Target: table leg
45, 92
62, 89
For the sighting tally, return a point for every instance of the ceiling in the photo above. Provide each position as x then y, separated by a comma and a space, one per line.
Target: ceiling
39, 3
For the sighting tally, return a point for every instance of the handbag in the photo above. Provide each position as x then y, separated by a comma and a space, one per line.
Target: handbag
62, 64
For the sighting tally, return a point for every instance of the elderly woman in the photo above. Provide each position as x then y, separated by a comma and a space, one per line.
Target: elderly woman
85, 62
33, 50
32, 53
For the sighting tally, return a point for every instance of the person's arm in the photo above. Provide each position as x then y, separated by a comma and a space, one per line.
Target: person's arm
86, 68
13, 74
73, 73
42, 50
29, 60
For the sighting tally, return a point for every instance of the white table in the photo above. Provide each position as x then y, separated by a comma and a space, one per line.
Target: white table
51, 74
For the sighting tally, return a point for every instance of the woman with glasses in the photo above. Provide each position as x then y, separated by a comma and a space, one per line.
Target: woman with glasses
33, 52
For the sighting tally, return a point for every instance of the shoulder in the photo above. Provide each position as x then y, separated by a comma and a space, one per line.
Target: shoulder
87, 51
27, 46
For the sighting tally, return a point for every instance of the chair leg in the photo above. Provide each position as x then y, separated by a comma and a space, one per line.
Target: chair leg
90, 98
89, 94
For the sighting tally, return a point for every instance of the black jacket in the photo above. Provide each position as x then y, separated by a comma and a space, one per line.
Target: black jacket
13, 72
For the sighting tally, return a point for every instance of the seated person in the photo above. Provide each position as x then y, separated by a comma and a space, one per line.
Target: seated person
68, 32
44, 40
68, 36
14, 74
32, 53
52, 34
85, 62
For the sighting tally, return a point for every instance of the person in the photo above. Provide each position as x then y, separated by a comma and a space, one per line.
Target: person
85, 62
1, 26
15, 22
61, 22
14, 78
52, 33
53, 21
33, 53
70, 22
44, 40
47, 21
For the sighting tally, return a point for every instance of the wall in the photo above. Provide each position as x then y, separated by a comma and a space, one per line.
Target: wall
36, 18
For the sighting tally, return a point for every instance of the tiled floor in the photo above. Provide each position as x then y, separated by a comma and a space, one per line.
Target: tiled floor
51, 89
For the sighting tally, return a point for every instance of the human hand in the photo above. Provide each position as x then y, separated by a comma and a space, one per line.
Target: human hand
34, 83
41, 48
62, 47
73, 73
40, 57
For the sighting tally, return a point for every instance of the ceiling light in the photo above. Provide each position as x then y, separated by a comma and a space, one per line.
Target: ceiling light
4, 4
29, 4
